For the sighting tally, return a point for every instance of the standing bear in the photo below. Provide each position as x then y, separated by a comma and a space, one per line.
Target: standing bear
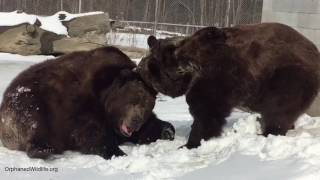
268, 68
85, 101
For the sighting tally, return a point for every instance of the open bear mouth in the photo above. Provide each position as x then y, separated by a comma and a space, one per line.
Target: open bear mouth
125, 130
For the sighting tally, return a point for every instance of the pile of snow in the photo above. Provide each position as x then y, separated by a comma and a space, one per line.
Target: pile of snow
15, 18
49, 23
19, 58
240, 153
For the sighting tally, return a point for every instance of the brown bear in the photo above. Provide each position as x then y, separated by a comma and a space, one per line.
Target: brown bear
268, 68
88, 101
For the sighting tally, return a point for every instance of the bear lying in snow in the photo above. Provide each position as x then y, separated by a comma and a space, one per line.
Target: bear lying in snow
268, 68
85, 101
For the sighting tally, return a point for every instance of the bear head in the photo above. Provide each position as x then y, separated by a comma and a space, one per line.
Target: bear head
162, 70
128, 102
172, 63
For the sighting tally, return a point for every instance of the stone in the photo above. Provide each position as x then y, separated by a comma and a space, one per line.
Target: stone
26, 39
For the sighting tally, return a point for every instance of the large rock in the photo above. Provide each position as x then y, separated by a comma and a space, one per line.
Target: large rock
68, 45
133, 52
85, 33
87, 26
26, 39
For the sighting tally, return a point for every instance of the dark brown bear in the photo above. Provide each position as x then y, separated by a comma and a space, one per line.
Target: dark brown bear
268, 68
85, 101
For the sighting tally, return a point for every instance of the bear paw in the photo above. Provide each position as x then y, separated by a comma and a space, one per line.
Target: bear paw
168, 132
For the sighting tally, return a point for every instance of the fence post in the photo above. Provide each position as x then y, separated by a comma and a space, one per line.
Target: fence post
156, 18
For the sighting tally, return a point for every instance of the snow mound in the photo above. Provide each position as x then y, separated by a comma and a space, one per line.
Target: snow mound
253, 155
15, 18
8, 57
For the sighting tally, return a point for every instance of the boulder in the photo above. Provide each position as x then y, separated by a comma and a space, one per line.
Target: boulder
91, 26
133, 52
26, 39
68, 45
85, 33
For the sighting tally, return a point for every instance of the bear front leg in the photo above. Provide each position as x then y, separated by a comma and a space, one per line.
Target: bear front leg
153, 130
107, 150
209, 107
94, 138
39, 148
206, 125
111, 146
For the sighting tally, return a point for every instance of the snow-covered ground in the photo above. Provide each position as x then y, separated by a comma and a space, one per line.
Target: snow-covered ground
240, 154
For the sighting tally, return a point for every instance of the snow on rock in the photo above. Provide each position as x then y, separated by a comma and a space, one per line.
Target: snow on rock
15, 18
49, 23
53, 24
239, 154
70, 16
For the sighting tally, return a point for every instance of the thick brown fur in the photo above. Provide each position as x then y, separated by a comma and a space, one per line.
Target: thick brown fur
268, 68
79, 102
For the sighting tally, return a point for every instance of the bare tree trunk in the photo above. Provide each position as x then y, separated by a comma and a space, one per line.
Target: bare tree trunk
228, 14
163, 13
61, 5
202, 11
233, 13
216, 14
238, 12
156, 17
255, 14
126, 15
146, 10
80, 6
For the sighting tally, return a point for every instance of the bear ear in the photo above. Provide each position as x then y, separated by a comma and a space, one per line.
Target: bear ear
152, 41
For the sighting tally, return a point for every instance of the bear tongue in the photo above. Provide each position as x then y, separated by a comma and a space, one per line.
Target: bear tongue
126, 130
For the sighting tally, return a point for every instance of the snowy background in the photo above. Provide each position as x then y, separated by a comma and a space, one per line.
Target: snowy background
239, 154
